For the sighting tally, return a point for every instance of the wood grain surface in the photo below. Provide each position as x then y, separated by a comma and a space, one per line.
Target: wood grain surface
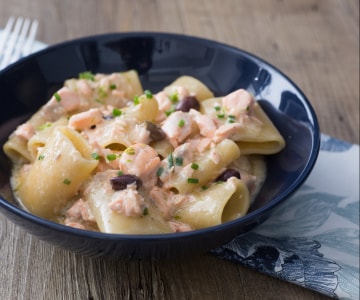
314, 42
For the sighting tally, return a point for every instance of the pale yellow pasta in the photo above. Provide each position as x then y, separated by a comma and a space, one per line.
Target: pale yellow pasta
16, 149
130, 84
163, 147
210, 165
120, 133
54, 178
268, 141
192, 85
99, 195
219, 203
40, 138
257, 135
143, 109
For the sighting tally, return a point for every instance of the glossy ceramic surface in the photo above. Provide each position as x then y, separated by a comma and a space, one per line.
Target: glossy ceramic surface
160, 58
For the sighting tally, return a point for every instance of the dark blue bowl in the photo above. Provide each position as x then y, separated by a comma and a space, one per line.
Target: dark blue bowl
159, 59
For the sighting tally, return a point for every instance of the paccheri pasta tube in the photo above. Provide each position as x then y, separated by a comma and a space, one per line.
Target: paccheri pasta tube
104, 154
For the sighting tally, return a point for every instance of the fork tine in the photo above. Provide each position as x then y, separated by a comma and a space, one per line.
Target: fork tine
30, 40
5, 34
20, 42
10, 46
17, 42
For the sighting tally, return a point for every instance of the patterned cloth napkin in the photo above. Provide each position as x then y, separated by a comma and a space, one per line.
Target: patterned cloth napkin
312, 239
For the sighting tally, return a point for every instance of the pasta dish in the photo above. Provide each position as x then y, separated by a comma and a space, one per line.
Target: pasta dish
104, 154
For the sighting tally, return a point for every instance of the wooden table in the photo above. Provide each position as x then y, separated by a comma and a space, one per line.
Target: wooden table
315, 42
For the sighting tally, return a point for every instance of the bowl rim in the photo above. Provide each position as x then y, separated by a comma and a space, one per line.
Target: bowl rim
316, 134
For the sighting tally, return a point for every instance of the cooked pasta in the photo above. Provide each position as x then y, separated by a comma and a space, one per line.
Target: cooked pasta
104, 154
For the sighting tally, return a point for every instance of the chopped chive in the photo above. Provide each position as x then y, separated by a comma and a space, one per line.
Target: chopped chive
231, 118
221, 116
87, 75
130, 151
95, 155
181, 123
148, 94
136, 100
112, 86
119, 173
217, 108
169, 112
102, 93
194, 166
66, 181
45, 125
116, 112
178, 161
159, 172
41, 157
192, 180
174, 98
111, 157
57, 97
145, 211
170, 160
204, 187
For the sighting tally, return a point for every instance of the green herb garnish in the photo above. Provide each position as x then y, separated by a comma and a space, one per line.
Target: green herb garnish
181, 123
87, 75
57, 97
116, 112
148, 94
194, 166
193, 180
95, 155
174, 98
130, 151
159, 172
111, 157
45, 125
170, 161
66, 181
179, 161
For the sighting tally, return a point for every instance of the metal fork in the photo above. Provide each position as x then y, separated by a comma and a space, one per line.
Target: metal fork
16, 40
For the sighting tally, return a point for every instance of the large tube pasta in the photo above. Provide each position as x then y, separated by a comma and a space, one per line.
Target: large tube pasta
210, 164
55, 177
120, 133
257, 136
40, 138
144, 108
219, 203
268, 141
16, 149
99, 194
192, 85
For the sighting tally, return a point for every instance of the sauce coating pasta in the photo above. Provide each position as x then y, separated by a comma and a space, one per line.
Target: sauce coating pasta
103, 154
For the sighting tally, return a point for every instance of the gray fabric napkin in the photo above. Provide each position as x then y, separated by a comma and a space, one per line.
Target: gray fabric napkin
312, 239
